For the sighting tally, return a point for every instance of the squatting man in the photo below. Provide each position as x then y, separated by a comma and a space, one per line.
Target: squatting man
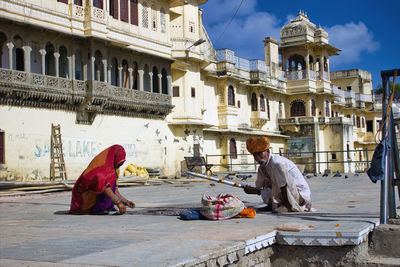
279, 181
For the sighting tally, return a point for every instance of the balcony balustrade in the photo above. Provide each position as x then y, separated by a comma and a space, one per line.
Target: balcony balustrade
31, 89
312, 120
295, 75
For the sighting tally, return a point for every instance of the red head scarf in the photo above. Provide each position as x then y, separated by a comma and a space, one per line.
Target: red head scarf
98, 175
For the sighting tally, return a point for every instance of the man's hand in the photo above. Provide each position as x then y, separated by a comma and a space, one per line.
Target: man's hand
130, 204
251, 190
121, 207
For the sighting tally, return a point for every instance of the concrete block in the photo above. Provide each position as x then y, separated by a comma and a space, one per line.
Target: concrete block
385, 240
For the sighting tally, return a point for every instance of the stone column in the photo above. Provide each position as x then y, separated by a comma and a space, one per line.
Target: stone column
85, 75
92, 59
130, 77
284, 63
159, 83
120, 76
70, 63
27, 58
151, 81
307, 66
169, 79
10, 46
105, 70
327, 68
140, 76
57, 63
43, 55
109, 75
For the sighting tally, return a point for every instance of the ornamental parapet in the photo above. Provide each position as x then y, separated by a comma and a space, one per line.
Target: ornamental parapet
31, 89
88, 98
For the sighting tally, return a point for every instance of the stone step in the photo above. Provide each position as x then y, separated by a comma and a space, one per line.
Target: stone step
385, 241
376, 261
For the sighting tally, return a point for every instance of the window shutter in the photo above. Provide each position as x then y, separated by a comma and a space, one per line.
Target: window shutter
115, 15
124, 10
134, 12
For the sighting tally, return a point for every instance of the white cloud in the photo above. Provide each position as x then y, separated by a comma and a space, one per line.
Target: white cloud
353, 39
245, 34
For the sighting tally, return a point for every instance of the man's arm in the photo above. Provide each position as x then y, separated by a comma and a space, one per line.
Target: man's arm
251, 190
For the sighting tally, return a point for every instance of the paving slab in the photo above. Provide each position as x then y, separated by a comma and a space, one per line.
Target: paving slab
35, 229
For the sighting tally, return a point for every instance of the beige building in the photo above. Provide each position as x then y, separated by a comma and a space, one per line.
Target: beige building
144, 74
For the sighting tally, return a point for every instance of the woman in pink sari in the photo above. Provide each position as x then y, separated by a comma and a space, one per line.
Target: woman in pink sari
96, 190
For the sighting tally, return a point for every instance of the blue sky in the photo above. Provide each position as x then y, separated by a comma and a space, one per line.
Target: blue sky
367, 31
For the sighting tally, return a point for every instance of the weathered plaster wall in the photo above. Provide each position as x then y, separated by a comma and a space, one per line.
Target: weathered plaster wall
27, 132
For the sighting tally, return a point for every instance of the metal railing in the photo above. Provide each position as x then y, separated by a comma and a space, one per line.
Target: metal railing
360, 158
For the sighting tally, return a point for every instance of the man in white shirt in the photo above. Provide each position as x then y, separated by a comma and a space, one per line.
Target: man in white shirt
279, 181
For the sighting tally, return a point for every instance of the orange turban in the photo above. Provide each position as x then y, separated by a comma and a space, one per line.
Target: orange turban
257, 144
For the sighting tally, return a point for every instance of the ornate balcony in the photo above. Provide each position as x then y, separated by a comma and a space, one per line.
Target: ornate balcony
258, 119
88, 98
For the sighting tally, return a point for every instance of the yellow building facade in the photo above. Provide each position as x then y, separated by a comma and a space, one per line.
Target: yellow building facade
144, 74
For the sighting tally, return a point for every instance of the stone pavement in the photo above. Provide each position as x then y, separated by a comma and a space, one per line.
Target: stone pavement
35, 231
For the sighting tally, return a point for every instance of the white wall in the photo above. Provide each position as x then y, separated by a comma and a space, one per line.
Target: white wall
27, 146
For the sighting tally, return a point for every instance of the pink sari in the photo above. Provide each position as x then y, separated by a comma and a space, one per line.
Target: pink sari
99, 175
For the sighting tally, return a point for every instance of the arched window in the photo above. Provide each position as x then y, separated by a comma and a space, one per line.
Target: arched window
145, 16
19, 53
163, 22
296, 62
262, 103
232, 149
63, 62
19, 59
153, 18
362, 122
297, 108
313, 108
268, 110
3, 50
231, 96
114, 72
280, 110
49, 60
156, 88
254, 102
146, 79
358, 122
327, 109
125, 74
78, 65
135, 75
354, 120
164, 82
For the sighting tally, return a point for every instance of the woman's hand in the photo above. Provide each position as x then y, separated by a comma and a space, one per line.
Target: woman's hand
121, 207
130, 204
